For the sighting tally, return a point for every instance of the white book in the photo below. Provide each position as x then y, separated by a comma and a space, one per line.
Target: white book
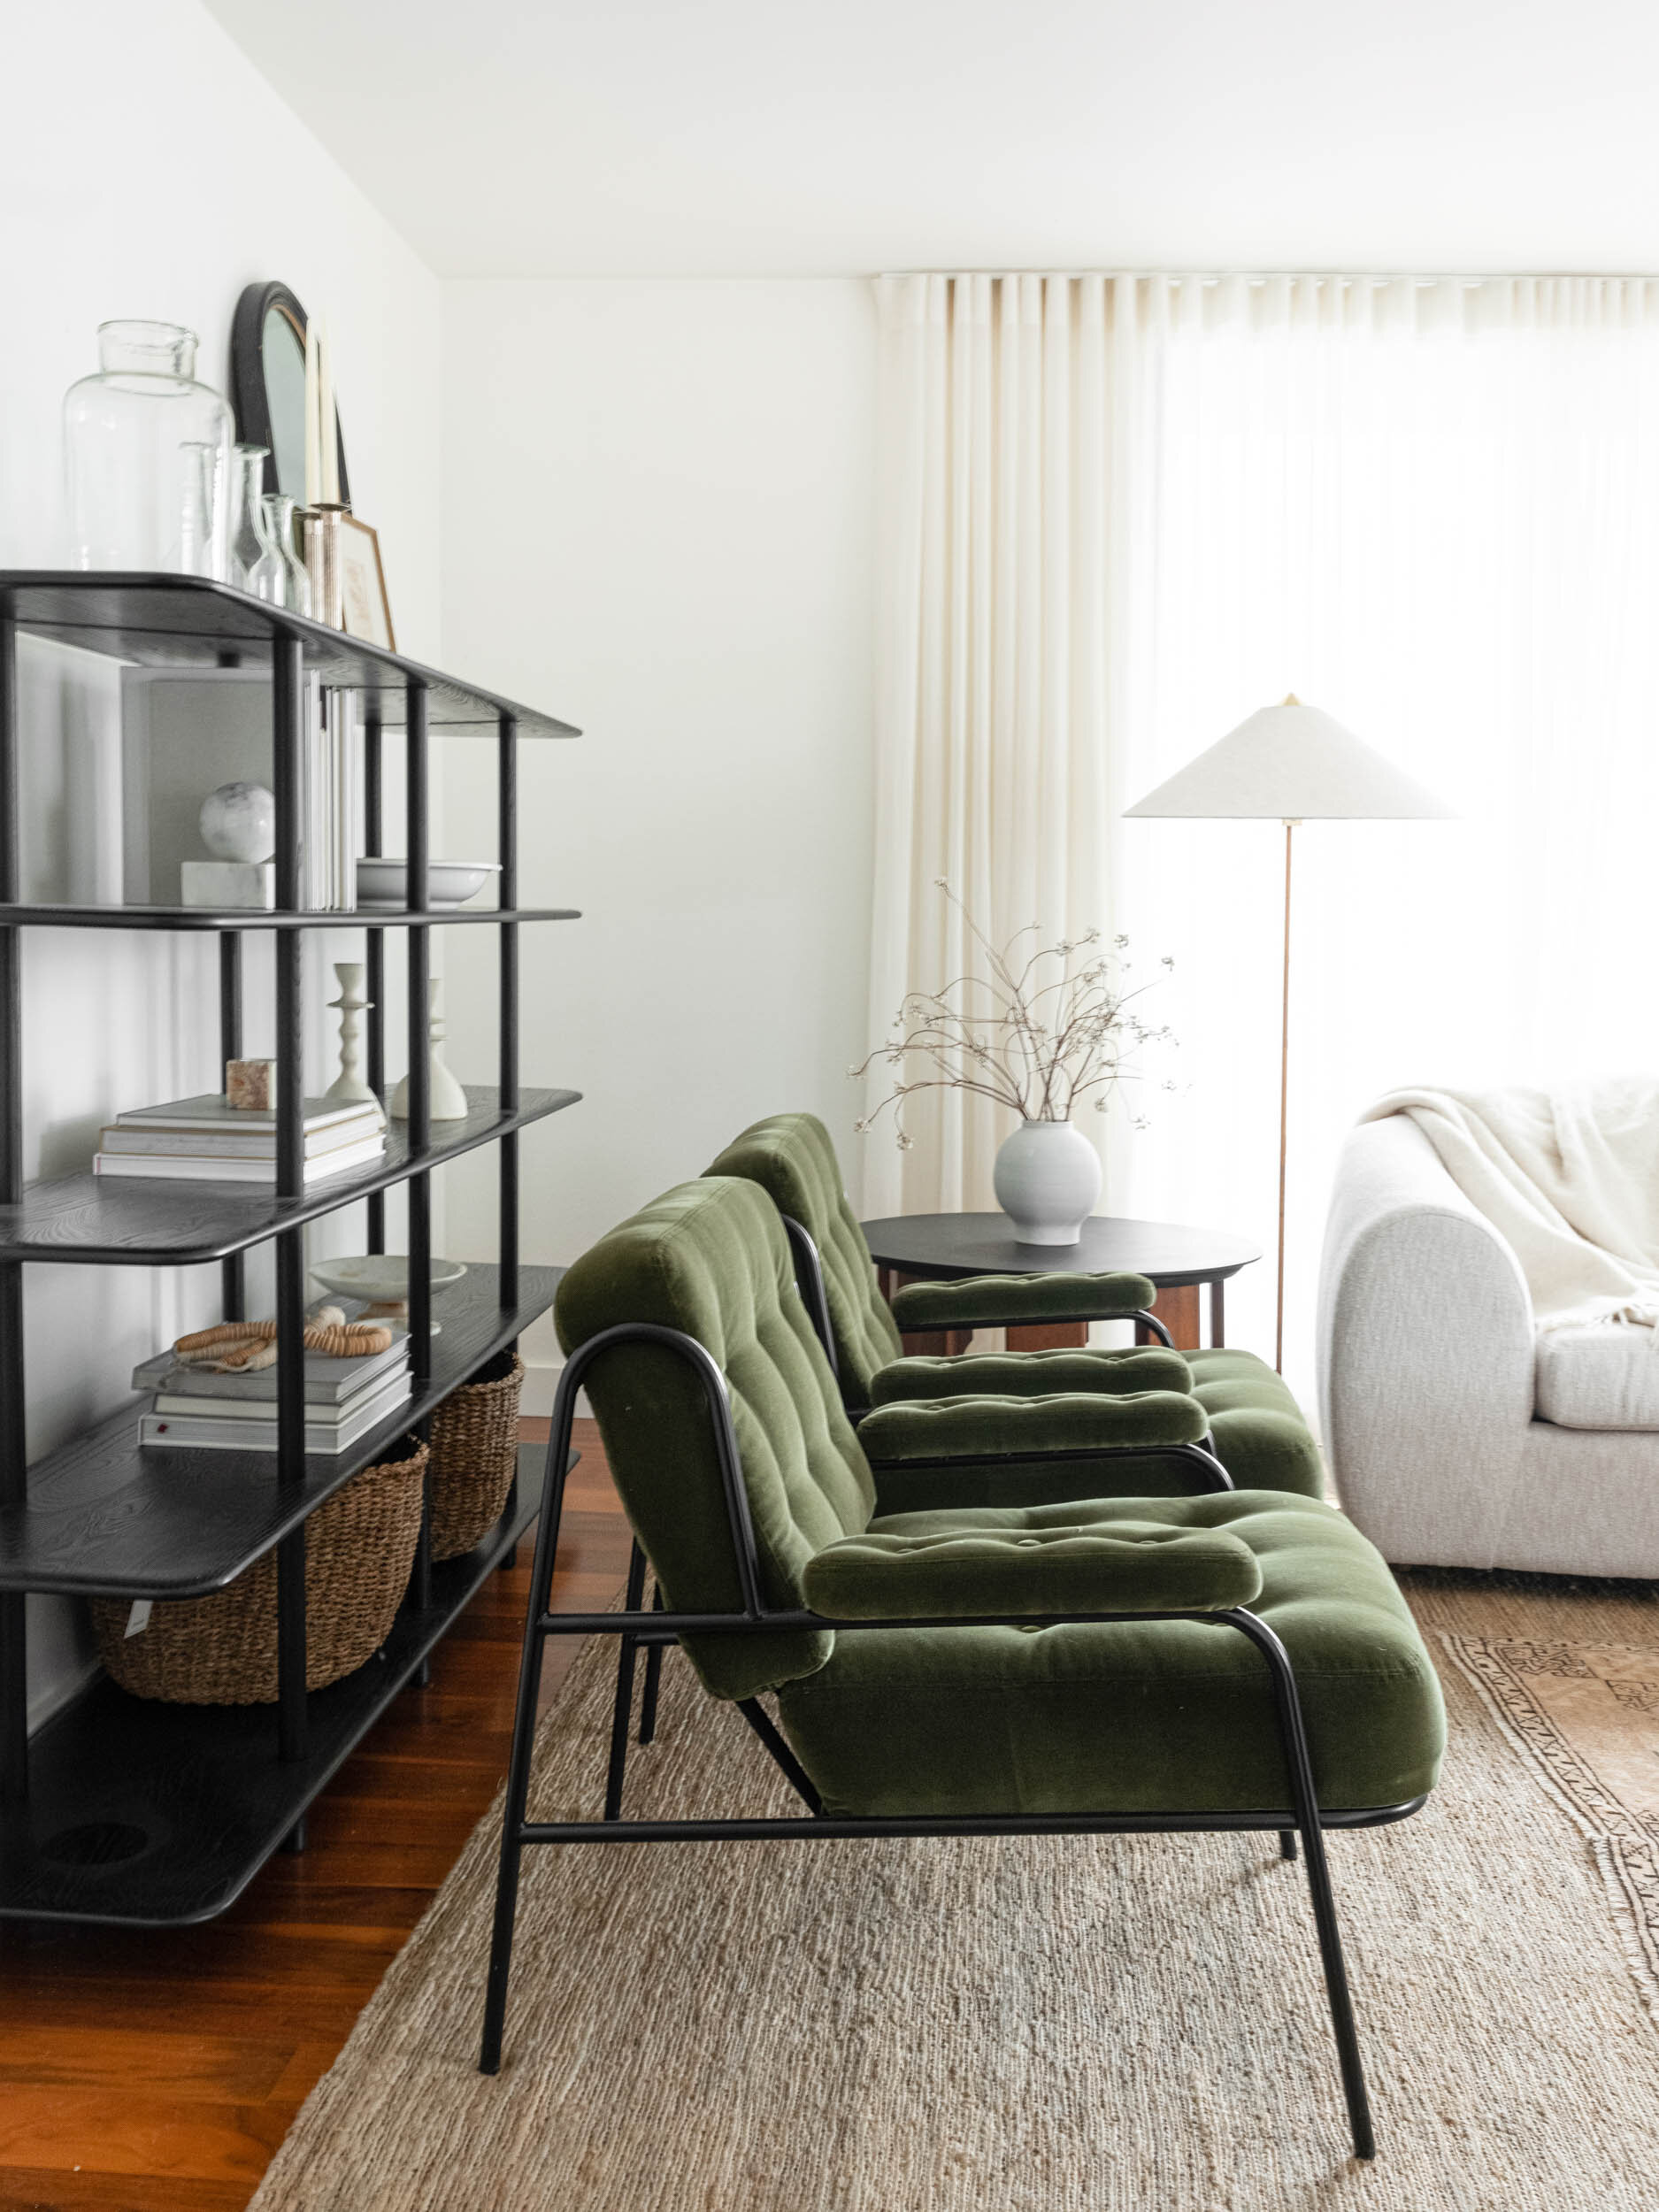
211, 1110
214, 1433
156, 1140
196, 1168
373, 1403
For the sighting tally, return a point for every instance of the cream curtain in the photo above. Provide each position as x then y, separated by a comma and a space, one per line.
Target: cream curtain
1123, 512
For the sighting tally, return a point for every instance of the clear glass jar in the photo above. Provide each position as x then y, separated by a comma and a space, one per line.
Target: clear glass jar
279, 575
247, 537
147, 457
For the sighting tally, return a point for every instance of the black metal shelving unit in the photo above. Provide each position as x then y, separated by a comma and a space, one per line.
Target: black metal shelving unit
120, 1810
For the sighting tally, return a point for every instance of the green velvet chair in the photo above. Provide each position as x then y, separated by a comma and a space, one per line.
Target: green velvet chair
1231, 1660
1258, 1430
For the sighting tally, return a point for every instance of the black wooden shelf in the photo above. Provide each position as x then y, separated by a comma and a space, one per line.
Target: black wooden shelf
154, 1816
241, 918
162, 621
105, 1518
150, 1221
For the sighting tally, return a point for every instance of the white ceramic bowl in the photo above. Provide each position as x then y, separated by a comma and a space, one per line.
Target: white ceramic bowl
381, 1277
448, 882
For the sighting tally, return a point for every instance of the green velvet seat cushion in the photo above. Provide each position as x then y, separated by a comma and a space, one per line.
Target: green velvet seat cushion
792, 1159
994, 1301
1133, 1716
987, 1302
1029, 1374
937, 1428
1087, 1565
1260, 1436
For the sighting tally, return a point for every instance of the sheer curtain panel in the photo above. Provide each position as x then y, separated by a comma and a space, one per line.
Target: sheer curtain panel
1120, 512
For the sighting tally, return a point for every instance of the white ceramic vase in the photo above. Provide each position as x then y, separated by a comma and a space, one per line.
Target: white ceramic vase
1047, 1179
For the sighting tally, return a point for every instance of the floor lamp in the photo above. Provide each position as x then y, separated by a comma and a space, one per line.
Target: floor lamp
1289, 763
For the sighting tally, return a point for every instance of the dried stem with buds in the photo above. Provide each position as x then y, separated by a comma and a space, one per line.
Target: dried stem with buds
1034, 1038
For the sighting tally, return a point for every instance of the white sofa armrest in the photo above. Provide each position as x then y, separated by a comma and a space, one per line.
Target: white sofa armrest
1426, 1354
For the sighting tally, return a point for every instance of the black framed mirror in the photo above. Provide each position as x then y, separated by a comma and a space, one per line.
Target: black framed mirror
267, 383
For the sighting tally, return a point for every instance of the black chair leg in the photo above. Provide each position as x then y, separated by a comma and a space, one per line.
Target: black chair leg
524, 1733
1287, 1843
622, 1712
1305, 1798
653, 1677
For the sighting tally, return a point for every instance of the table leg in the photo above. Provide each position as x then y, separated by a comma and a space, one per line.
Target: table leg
1049, 1336
933, 1343
1177, 1308
1217, 1312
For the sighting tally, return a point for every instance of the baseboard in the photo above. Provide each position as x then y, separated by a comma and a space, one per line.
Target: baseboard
541, 1387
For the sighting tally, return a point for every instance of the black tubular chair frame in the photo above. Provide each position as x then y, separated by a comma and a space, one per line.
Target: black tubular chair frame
1302, 1819
809, 1275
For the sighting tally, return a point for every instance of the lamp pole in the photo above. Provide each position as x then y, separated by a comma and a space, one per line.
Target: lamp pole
1291, 827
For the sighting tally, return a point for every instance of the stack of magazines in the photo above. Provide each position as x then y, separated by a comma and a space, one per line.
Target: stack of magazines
208, 1140
344, 1400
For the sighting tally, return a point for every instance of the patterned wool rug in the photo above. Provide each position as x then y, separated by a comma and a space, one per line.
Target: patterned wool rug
1110, 2024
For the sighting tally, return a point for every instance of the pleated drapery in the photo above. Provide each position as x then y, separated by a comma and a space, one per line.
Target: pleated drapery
1118, 513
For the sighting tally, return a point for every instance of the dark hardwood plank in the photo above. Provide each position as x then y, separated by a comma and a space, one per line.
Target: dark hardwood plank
156, 2071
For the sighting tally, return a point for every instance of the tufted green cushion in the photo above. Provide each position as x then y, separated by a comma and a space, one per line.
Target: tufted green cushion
1153, 1716
979, 1302
1124, 1566
791, 1158
710, 1258
937, 1428
1030, 1374
1261, 1437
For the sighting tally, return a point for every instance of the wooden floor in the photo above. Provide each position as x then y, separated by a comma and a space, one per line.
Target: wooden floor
158, 2072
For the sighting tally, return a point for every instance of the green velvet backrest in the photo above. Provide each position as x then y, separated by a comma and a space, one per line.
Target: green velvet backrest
791, 1158
710, 1259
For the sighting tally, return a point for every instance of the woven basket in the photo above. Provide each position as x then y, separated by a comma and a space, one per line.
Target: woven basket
222, 1649
474, 1455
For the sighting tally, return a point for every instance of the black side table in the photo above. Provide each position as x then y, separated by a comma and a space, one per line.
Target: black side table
943, 1248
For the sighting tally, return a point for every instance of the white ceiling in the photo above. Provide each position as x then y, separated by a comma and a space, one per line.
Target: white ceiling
775, 138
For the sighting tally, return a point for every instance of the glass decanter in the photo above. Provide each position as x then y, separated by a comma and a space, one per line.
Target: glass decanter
279, 575
146, 456
248, 542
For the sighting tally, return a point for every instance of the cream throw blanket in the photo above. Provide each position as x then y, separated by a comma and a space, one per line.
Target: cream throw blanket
1569, 1178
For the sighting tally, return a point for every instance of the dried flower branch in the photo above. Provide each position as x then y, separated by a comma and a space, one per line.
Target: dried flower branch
1031, 1040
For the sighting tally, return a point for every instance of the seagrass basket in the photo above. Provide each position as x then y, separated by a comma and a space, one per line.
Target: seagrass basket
474, 1455
222, 1649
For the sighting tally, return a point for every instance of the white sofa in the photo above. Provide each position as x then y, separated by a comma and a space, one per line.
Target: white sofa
1435, 1385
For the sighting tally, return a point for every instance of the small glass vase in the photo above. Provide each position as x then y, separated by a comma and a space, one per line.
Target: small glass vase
248, 541
279, 574
147, 457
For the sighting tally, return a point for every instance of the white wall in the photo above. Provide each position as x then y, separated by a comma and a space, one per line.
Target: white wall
657, 522
147, 169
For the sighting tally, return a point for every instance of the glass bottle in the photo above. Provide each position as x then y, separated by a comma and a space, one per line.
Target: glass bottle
146, 456
279, 575
247, 542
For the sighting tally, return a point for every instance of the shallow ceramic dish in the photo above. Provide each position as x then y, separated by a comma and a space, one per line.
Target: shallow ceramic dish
380, 1278
448, 882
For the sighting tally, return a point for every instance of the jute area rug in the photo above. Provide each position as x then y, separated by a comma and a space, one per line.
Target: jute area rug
1075, 2025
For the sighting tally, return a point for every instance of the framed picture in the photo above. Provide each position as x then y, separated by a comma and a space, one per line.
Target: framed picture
364, 610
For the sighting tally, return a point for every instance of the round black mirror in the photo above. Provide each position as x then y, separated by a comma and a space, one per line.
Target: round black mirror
267, 377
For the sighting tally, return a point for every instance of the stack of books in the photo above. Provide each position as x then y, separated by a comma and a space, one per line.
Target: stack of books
208, 1140
344, 1400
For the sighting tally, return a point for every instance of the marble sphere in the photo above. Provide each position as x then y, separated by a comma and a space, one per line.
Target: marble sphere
239, 822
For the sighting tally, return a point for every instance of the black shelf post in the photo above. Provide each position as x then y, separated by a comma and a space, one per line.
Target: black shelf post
417, 847
231, 1270
507, 852
286, 740
373, 830
14, 1470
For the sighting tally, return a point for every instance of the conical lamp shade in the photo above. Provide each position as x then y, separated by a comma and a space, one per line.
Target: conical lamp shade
1291, 763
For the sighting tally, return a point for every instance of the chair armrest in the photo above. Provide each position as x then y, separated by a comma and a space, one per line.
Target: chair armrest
994, 1301
1029, 1374
1121, 1567
1017, 1428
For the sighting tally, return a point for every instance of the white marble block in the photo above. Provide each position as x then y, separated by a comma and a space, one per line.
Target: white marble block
228, 883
